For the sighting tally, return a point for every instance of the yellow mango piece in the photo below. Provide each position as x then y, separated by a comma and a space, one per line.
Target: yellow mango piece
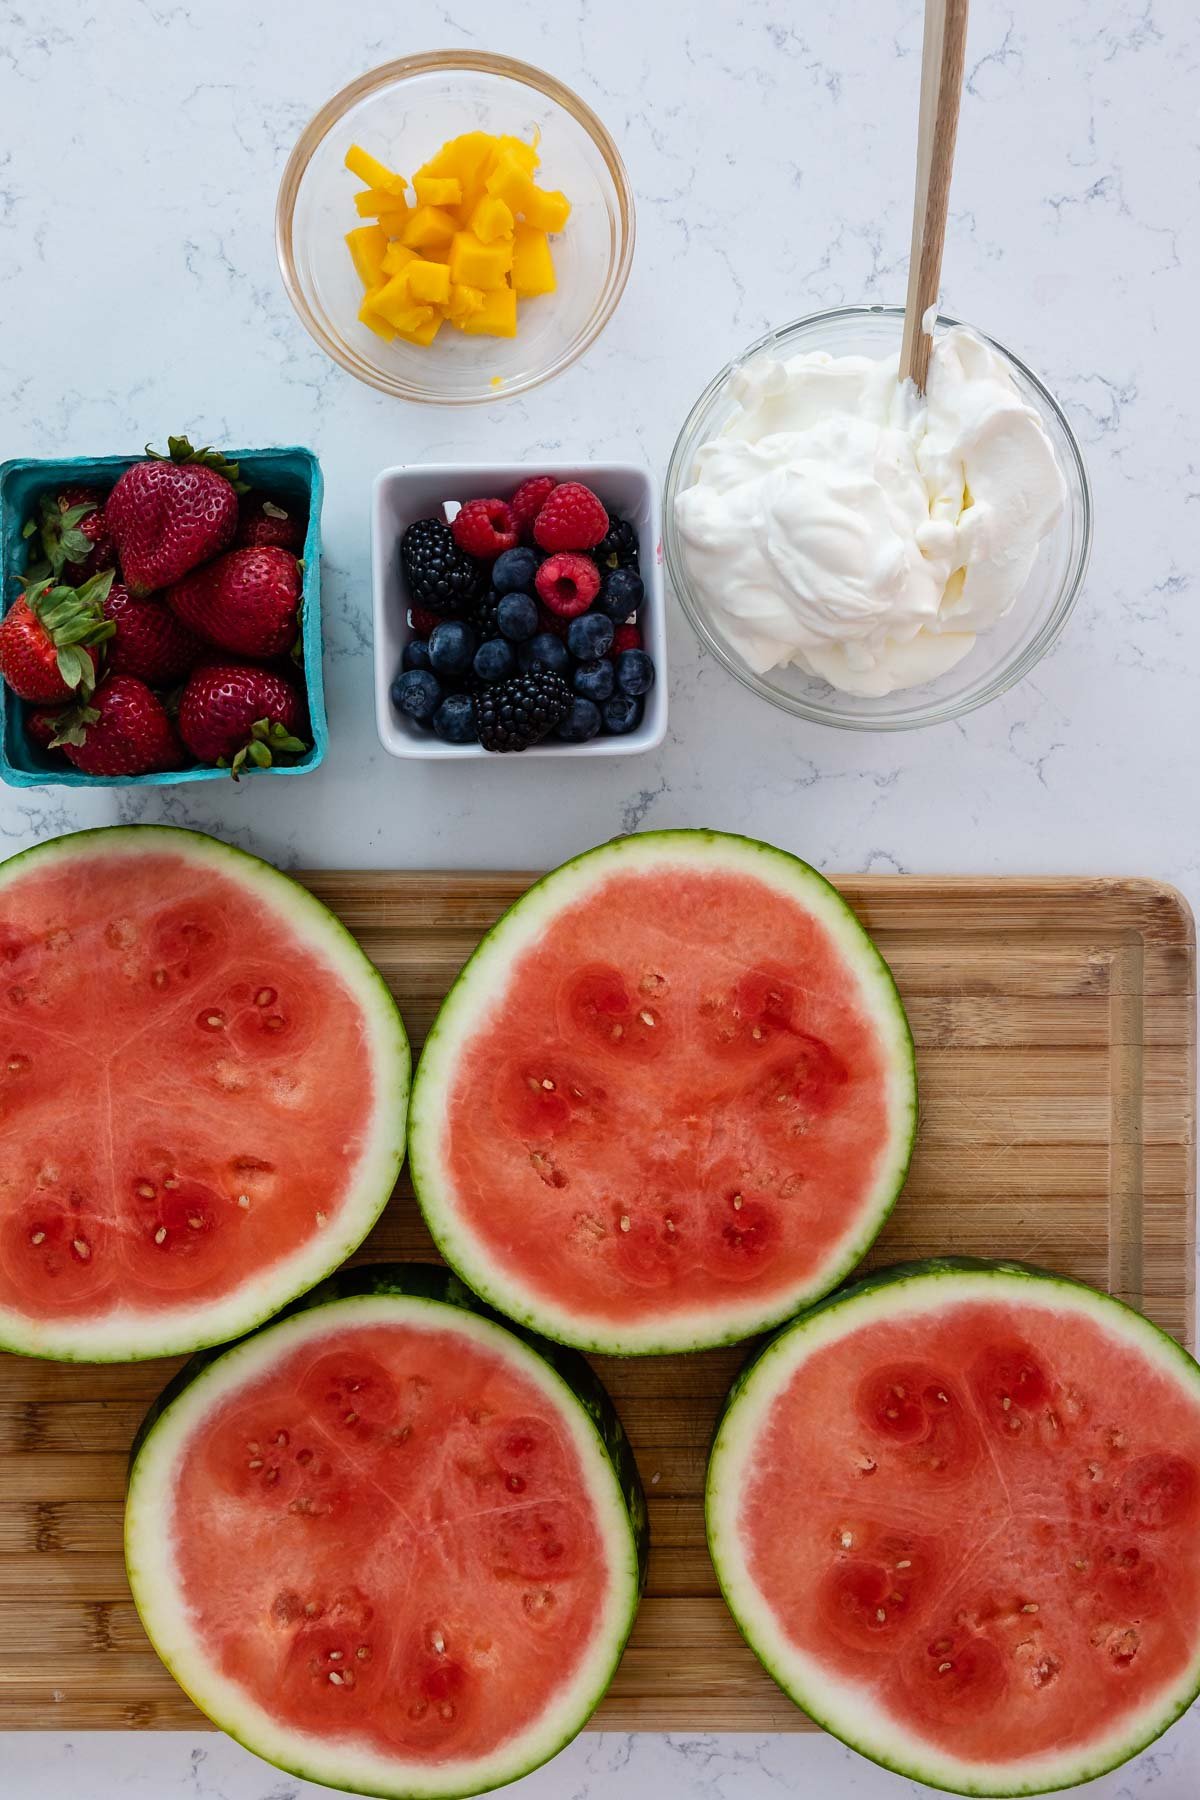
533, 265
491, 219
477, 264
509, 182
549, 211
425, 333
370, 170
367, 244
371, 318
437, 190
464, 301
428, 281
428, 225
394, 303
523, 154
497, 317
463, 158
395, 221
370, 202
397, 257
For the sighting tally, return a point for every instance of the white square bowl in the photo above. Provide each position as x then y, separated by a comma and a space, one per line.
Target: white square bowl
419, 491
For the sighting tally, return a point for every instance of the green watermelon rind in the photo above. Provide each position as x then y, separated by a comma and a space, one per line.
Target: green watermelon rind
460, 1011
578, 1392
134, 1336
874, 1295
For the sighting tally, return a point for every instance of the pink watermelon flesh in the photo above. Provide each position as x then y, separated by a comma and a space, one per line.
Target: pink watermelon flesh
678, 1098
996, 1539
388, 1535
170, 1059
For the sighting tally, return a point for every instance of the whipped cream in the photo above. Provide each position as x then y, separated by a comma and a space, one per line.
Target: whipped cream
846, 524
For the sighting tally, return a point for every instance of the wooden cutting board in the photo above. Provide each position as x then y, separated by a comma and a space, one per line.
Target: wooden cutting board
1055, 1028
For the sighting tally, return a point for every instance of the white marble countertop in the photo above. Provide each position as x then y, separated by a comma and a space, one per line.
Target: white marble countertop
769, 145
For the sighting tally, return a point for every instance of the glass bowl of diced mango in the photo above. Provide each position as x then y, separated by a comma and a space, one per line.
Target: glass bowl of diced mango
455, 227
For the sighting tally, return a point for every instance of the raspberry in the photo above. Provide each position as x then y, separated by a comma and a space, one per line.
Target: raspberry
484, 528
571, 519
568, 584
625, 637
528, 501
421, 621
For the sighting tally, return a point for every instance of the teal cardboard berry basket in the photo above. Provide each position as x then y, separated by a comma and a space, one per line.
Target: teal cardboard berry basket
292, 473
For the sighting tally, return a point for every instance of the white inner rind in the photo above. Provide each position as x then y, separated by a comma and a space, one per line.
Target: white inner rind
348, 1762
125, 1332
471, 1006
843, 1707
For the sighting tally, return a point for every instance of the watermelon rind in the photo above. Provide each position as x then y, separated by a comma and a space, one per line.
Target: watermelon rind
373, 1294
843, 1709
483, 979
128, 1334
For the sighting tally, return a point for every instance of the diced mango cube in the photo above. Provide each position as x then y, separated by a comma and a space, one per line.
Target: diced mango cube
464, 301
477, 264
511, 183
395, 221
397, 257
424, 333
549, 211
370, 202
497, 317
367, 244
370, 170
533, 265
491, 219
437, 190
428, 225
371, 318
461, 157
394, 303
428, 281
523, 154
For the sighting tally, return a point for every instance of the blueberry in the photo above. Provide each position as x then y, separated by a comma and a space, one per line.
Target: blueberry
580, 724
635, 672
495, 660
621, 714
590, 635
513, 571
416, 654
454, 720
621, 593
594, 680
546, 649
517, 614
417, 693
451, 647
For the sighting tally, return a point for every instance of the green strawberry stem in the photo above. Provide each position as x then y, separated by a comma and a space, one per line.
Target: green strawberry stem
179, 450
268, 742
61, 539
73, 619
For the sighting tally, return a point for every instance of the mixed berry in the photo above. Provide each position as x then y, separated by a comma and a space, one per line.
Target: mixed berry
523, 613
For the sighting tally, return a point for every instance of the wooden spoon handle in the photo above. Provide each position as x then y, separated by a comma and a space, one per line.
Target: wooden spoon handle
941, 86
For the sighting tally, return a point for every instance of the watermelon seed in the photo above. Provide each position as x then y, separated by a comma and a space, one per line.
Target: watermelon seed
159, 978
669, 1227
905, 1564
944, 1667
160, 1236
336, 1678
272, 1476
847, 1540
737, 1203
880, 1614
866, 1464
336, 1655
172, 1182
1014, 1424
82, 1248
39, 1237
243, 1200
515, 1484
418, 1709
145, 1190
215, 1021
624, 1221
533, 1082
647, 1017
756, 1034
548, 1085
1030, 1606
438, 1642
265, 996
321, 1218
274, 1022
256, 1462
943, 1398
18, 1062
362, 1653
447, 1709
1079, 1563
310, 1607
1005, 1402
1052, 1421
351, 1418
618, 1031
1094, 1471
253, 1446
281, 1437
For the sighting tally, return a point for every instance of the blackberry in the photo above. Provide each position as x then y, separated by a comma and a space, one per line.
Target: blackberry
441, 577
482, 616
618, 548
512, 714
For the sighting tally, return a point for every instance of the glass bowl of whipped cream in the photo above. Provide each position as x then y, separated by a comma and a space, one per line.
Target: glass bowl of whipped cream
865, 556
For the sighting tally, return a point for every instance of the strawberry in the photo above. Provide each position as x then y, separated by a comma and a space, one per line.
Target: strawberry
233, 713
169, 515
262, 521
76, 542
149, 641
247, 601
571, 518
49, 635
528, 501
121, 730
41, 725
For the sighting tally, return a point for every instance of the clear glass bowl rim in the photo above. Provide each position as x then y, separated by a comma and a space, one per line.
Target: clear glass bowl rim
936, 712
452, 61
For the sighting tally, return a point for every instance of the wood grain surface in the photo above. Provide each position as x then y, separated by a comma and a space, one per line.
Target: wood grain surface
1054, 1021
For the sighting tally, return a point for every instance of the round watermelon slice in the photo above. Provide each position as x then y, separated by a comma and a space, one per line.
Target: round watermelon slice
955, 1511
386, 1542
203, 1085
670, 1098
